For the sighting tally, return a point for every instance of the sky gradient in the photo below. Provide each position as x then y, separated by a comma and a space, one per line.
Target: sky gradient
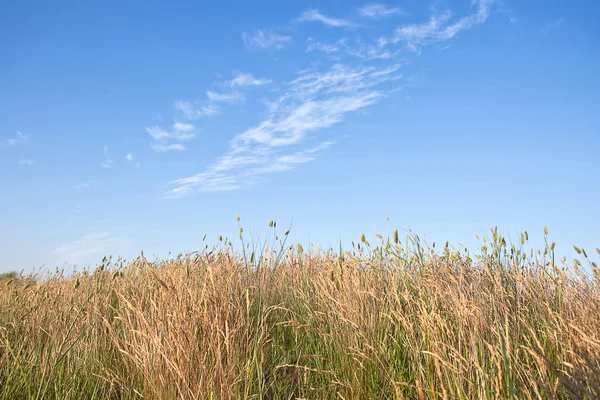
128, 126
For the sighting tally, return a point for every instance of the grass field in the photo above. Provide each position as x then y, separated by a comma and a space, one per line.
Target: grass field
394, 318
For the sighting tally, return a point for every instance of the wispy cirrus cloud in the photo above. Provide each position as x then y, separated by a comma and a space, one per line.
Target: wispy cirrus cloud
233, 97
358, 49
82, 249
327, 48
315, 15
164, 140
210, 108
244, 79
420, 34
191, 112
438, 28
551, 26
265, 40
355, 74
26, 162
290, 161
235, 171
377, 11
19, 138
314, 100
108, 162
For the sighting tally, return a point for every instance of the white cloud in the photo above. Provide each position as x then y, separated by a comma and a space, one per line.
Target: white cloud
313, 101
223, 97
83, 186
290, 132
137, 165
326, 48
203, 182
377, 11
129, 157
182, 127
191, 112
551, 26
82, 249
163, 148
26, 162
343, 48
233, 172
419, 33
468, 22
513, 20
180, 132
264, 40
316, 16
309, 116
243, 79
108, 162
162, 139
19, 138
438, 27
290, 161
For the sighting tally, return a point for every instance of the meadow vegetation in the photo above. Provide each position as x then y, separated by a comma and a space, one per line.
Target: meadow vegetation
395, 318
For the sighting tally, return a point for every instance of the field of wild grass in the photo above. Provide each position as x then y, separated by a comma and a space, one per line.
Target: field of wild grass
389, 319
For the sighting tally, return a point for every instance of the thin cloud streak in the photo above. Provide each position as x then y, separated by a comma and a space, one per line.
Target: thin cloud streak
19, 138
108, 162
265, 40
190, 112
162, 139
166, 140
313, 101
326, 48
163, 148
315, 15
224, 97
244, 79
318, 98
438, 28
551, 27
342, 48
378, 11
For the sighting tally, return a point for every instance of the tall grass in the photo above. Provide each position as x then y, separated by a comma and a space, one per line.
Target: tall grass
395, 319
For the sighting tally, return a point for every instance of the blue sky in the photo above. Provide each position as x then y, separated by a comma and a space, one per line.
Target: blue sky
144, 125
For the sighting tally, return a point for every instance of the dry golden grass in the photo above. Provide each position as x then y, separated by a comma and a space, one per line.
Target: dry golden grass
395, 320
